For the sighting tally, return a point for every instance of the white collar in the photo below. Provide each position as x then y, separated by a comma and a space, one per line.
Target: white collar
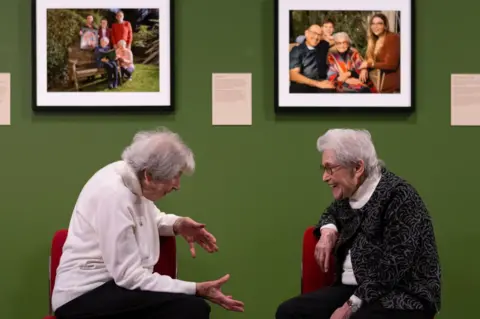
364, 192
129, 178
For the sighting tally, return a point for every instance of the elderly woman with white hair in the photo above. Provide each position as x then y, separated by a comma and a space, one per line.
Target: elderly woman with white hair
344, 67
380, 235
125, 59
106, 269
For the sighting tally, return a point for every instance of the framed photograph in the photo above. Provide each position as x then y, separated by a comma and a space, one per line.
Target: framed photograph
109, 57
343, 55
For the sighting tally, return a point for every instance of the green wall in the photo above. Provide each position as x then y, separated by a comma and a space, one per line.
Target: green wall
255, 192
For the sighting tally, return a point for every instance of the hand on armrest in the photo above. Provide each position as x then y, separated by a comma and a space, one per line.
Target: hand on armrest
324, 247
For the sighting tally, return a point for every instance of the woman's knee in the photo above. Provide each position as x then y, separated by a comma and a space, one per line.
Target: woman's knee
197, 307
286, 310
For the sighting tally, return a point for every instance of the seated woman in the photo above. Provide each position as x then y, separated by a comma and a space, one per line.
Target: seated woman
383, 53
344, 67
106, 270
125, 59
109, 64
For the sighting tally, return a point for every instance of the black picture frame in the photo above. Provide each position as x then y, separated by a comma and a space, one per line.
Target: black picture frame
283, 30
164, 104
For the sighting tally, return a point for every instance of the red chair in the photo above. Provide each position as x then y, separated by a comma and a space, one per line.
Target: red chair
313, 278
167, 264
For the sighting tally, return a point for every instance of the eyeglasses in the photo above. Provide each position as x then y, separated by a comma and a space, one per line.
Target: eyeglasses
331, 169
315, 33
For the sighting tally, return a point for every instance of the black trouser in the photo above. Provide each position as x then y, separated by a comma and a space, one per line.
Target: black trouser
322, 303
110, 301
112, 73
303, 88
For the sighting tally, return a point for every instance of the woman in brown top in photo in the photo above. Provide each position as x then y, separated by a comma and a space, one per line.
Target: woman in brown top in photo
383, 53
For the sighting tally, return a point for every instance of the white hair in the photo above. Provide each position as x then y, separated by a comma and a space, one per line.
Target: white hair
122, 43
342, 35
160, 153
107, 41
350, 146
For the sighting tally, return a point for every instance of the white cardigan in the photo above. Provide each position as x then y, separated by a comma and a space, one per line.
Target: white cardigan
114, 234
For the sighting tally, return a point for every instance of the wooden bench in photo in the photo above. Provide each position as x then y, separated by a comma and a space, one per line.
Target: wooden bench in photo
81, 65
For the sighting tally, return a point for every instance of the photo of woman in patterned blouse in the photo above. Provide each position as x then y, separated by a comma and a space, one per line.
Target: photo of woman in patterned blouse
345, 67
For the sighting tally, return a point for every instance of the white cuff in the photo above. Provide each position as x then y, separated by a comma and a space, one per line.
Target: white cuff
329, 226
356, 301
189, 288
165, 223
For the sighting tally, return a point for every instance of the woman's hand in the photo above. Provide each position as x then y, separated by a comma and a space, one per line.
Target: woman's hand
324, 248
212, 290
364, 65
354, 81
194, 232
344, 76
363, 75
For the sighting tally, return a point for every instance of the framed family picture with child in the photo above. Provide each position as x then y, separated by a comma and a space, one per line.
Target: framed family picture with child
103, 58
343, 55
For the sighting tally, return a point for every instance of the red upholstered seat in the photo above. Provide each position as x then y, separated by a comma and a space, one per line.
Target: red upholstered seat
313, 278
167, 264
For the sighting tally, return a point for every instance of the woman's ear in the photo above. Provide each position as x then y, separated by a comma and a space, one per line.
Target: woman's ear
147, 176
360, 168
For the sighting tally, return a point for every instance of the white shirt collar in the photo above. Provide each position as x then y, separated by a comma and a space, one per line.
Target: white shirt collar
129, 177
364, 192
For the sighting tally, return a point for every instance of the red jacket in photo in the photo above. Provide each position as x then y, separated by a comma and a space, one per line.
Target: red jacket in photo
122, 31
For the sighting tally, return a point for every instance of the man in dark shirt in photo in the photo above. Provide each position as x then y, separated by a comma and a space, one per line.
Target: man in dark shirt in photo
308, 64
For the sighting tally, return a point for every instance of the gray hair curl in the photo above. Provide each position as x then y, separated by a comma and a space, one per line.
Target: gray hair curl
161, 153
342, 35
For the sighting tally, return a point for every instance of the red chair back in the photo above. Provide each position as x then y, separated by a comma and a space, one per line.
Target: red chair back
313, 278
166, 265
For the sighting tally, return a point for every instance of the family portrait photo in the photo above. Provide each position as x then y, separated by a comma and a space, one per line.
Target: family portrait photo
356, 57
92, 56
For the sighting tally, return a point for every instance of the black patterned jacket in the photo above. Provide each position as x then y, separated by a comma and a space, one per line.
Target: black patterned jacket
393, 249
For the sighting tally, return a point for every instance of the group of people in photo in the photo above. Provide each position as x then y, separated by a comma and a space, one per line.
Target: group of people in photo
322, 61
112, 47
